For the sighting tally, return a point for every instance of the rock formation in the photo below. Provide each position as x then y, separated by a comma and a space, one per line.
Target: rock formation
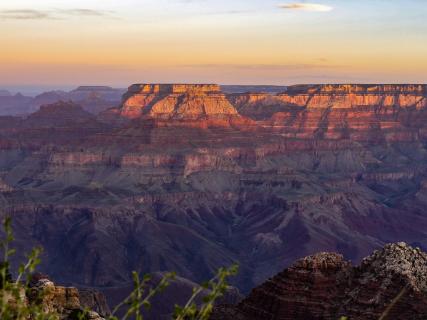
176, 101
335, 97
67, 302
261, 179
389, 284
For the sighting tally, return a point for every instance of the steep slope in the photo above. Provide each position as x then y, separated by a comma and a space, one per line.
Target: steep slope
389, 284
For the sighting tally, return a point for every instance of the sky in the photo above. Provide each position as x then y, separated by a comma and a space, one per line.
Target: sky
63, 43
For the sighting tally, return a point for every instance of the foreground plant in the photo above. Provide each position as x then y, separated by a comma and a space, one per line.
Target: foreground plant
14, 304
217, 286
14, 294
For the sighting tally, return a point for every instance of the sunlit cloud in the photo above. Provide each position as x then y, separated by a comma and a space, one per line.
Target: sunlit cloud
31, 14
306, 7
24, 14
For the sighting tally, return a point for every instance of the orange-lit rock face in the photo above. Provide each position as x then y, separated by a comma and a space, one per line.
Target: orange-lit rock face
176, 101
340, 96
356, 112
351, 100
173, 88
350, 96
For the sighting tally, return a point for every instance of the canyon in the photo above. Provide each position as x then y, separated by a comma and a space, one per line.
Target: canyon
189, 178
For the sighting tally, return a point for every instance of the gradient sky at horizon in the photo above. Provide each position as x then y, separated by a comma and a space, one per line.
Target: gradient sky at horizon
65, 43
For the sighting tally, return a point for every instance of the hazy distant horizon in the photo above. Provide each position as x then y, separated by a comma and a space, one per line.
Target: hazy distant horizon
33, 90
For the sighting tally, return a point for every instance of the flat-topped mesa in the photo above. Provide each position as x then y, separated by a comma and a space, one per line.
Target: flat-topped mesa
331, 96
94, 88
174, 88
358, 89
176, 101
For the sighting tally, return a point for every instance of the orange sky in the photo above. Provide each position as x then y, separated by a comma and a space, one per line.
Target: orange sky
83, 42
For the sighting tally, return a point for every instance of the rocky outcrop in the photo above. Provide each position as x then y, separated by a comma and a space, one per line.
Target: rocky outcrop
389, 284
68, 302
95, 301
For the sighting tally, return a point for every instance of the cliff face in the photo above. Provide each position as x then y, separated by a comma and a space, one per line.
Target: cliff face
196, 188
176, 101
337, 98
389, 284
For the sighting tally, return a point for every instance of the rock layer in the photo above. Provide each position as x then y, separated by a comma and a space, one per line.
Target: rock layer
176, 101
191, 194
389, 284
67, 301
332, 97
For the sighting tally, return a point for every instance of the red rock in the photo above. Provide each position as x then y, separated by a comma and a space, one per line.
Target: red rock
177, 101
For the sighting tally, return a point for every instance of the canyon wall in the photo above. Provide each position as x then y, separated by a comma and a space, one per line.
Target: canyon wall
175, 100
187, 178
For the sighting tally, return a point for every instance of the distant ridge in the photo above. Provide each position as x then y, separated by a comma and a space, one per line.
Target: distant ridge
94, 88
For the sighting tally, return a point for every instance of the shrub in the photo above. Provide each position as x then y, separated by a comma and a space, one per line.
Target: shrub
19, 300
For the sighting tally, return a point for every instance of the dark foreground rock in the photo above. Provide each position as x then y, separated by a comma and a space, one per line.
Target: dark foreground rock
68, 302
389, 284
